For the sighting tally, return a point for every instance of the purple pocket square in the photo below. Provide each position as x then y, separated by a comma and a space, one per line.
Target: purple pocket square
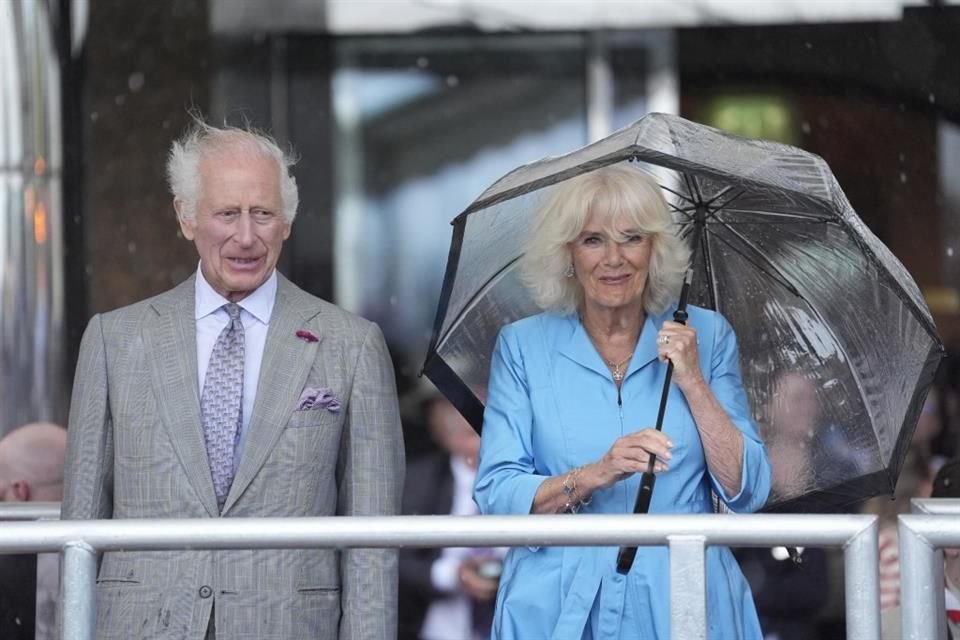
318, 398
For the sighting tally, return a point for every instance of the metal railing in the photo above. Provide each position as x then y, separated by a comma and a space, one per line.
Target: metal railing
29, 511
686, 536
922, 536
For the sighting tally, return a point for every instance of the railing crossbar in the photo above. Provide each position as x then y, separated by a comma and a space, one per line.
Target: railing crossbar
686, 536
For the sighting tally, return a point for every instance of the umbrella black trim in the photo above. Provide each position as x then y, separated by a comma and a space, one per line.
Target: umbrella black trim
911, 417
434, 367
455, 389
453, 263
839, 498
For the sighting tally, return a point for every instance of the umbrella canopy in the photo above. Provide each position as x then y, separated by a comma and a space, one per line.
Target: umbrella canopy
837, 346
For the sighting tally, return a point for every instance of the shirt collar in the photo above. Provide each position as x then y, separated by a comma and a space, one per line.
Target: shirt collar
259, 304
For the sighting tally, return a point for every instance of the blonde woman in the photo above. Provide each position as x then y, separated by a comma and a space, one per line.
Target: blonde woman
572, 396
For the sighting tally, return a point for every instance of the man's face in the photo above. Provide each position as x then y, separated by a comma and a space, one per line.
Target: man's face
239, 228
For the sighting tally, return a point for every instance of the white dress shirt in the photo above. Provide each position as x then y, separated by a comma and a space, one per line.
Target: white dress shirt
211, 319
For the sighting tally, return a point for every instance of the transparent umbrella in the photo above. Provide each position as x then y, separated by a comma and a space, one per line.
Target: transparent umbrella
837, 346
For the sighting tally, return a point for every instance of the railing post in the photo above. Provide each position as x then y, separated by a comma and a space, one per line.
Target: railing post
688, 594
79, 618
918, 600
862, 584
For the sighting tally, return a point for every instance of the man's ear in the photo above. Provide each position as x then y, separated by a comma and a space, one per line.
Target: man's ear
186, 227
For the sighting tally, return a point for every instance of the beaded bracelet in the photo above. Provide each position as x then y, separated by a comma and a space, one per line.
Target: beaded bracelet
575, 501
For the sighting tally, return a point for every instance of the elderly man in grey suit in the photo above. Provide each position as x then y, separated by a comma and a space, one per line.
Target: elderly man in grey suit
236, 394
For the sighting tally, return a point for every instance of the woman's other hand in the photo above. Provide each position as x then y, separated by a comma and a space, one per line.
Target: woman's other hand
631, 454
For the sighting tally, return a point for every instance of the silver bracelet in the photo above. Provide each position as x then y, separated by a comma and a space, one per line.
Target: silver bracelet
574, 501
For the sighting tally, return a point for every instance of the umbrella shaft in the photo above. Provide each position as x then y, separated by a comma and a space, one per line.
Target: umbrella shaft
663, 400
645, 494
627, 554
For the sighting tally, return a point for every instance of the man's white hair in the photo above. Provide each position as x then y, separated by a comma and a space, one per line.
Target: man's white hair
183, 163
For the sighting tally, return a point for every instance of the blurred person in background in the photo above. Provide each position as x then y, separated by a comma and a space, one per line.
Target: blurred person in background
789, 593
571, 404
446, 594
805, 448
31, 470
789, 427
946, 484
914, 482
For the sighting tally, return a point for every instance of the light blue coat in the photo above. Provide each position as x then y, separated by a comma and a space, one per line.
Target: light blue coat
552, 406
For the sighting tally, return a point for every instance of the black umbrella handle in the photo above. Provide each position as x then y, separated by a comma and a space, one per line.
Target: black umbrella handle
645, 494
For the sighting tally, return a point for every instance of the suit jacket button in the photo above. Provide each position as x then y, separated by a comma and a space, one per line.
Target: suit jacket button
205, 591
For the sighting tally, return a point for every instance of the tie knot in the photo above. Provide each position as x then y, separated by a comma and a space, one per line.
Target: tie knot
233, 310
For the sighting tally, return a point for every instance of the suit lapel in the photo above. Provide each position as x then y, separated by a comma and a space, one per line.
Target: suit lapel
170, 343
287, 361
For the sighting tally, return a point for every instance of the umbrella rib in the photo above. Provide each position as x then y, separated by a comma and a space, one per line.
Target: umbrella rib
697, 200
693, 189
720, 194
686, 230
780, 215
708, 270
774, 271
686, 213
474, 299
711, 210
678, 194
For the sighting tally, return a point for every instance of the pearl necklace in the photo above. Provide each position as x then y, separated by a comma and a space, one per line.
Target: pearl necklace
618, 373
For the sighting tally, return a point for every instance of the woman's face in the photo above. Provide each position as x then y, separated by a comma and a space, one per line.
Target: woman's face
611, 269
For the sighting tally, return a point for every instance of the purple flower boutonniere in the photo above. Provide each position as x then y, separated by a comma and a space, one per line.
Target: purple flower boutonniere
307, 336
318, 398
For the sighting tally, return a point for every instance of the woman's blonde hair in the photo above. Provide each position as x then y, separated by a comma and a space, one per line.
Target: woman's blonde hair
613, 192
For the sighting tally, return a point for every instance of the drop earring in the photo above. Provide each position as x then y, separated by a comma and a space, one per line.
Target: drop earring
569, 272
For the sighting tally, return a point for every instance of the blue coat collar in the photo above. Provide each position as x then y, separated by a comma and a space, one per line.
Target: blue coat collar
579, 348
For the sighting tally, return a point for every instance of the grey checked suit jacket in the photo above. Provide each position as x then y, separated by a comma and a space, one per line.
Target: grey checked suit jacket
136, 450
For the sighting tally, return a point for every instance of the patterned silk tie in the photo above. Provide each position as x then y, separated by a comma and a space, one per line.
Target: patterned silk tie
221, 402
